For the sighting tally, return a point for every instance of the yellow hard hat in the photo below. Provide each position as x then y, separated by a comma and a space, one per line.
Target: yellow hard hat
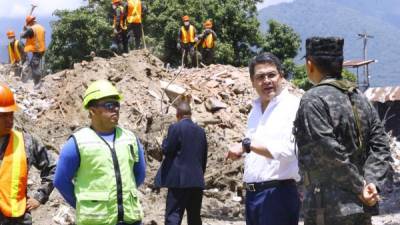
98, 90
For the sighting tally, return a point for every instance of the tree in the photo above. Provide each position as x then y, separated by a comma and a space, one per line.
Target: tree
75, 35
282, 41
300, 78
235, 23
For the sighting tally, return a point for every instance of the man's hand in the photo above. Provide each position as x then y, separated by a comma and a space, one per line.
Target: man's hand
178, 46
32, 204
235, 152
370, 195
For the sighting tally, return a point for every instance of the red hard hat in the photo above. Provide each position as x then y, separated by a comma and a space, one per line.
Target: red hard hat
7, 101
185, 18
10, 33
29, 19
115, 1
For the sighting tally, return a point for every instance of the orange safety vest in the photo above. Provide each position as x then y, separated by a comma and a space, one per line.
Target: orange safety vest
134, 11
187, 37
13, 52
13, 177
122, 21
37, 42
208, 42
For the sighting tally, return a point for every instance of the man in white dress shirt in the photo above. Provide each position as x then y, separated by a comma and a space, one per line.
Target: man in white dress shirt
270, 164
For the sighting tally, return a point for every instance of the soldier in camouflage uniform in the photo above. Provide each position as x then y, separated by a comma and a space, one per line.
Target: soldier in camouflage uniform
342, 147
15, 203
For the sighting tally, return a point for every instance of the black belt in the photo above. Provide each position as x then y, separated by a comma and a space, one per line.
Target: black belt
268, 184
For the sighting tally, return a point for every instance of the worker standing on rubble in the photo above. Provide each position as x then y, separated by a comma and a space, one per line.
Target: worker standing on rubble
182, 171
35, 44
16, 53
270, 165
136, 8
120, 28
186, 41
207, 40
101, 167
18, 152
343, 149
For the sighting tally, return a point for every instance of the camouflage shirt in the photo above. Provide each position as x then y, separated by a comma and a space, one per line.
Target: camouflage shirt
37, 156
329, 149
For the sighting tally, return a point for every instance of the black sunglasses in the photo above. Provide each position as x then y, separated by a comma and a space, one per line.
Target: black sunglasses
110, 105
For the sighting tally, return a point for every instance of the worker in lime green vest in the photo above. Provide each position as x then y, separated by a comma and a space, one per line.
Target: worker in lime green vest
16, 54
101, 166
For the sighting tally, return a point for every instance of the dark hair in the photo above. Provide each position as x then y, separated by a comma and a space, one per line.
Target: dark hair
265, 58
329, 66
183, 109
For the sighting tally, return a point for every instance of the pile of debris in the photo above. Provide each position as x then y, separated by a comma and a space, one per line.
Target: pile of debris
221, 97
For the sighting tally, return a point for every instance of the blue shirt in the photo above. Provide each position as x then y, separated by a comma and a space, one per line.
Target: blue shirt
68, 165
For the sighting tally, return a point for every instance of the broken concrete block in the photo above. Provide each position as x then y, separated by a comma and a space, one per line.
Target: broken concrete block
172, 90
213, 104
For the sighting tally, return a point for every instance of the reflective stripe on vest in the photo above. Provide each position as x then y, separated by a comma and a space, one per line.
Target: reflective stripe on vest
13, 177
134, 11
122, 21
37, 42
187, 37
105, 185
13, 52
208, 42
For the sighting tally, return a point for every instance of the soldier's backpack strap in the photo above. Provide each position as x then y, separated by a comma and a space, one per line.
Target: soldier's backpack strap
348, 88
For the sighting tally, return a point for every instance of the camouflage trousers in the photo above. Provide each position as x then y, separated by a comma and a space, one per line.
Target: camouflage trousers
26, 219
310, 218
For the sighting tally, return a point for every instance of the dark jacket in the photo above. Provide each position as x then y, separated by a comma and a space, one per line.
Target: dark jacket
185, 150
329, 151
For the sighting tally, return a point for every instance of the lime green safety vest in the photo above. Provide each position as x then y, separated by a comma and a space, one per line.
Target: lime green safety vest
105, 185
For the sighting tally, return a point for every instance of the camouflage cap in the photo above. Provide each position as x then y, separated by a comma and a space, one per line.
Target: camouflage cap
324, 46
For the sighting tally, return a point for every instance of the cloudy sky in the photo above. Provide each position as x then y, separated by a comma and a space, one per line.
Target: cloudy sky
20, 8
271, 2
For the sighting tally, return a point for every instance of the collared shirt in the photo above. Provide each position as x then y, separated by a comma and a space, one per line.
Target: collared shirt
272, 129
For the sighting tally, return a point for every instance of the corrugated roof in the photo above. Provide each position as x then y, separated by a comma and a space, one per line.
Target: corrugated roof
357, 62
383, 94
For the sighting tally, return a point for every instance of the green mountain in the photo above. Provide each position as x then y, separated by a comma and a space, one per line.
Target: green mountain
346, 19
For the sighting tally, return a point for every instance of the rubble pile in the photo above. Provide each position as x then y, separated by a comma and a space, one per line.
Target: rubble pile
220, 95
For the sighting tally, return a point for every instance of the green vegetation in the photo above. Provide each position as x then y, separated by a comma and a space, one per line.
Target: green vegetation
75, 35
87, 29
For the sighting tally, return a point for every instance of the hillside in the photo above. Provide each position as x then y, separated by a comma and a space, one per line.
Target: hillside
331, 18
387, 10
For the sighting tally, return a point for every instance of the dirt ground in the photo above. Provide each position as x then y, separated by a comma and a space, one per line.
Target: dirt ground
221, 99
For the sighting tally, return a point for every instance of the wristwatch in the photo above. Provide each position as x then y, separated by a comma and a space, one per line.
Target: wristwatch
246, 144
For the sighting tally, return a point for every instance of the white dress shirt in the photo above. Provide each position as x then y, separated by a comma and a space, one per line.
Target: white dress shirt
273, 130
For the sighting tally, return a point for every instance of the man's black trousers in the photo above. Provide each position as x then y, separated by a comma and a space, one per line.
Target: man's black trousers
181, 199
